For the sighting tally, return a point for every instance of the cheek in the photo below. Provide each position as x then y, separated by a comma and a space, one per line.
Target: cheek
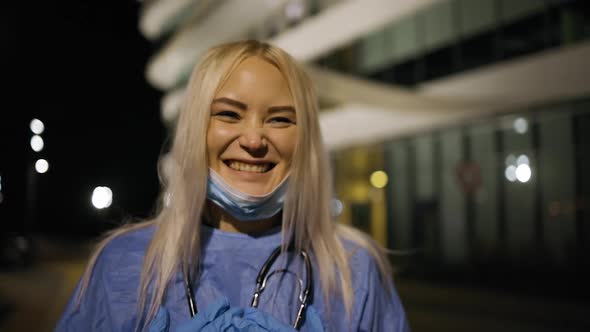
285, 143
217, 138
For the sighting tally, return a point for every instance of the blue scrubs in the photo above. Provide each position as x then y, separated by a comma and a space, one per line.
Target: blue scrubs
230, 264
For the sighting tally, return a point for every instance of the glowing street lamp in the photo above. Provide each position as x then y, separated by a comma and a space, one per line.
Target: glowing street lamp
102, 197
37, 126
37, 143
41, 166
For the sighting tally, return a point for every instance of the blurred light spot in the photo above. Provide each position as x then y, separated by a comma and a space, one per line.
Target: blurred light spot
336, 207
37, 126
379, 179
1, 198
295, 10
522, 160
523, 173
41, 166
102, 197
37, 143
521, 125
510, 160
510, 173
0, 183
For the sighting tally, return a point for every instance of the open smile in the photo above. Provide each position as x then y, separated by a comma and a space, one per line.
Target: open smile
250, 167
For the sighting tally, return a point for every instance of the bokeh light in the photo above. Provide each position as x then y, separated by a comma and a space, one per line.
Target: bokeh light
522, 160
510, 173
521, 125
37, 143
510, 160
336, 207
523, 173
41, 166
102, 197
379, 179
37, 126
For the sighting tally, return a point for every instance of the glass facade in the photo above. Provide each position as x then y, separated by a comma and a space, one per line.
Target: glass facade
503, 193
453, 36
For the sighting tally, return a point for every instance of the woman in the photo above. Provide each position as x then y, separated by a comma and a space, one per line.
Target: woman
250, 175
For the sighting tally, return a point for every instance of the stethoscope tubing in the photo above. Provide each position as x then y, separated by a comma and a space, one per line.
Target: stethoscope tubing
305, 295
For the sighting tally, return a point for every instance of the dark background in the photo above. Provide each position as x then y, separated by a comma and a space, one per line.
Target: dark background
78, 66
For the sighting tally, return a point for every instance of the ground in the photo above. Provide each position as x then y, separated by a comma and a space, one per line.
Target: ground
32, 299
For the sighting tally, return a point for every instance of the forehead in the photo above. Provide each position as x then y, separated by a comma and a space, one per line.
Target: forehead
255, 77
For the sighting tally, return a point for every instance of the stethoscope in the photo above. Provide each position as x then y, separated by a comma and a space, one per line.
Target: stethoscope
305, 294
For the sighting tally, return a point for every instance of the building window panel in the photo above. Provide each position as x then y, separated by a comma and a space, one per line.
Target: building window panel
513, 10
405, 39
476, 16
439, 29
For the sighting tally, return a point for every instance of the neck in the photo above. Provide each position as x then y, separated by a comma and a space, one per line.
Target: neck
218, 218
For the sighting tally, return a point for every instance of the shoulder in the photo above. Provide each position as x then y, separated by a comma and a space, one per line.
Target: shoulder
122, 255
366, 257
106, 296
378, 306
363, 265
127, 243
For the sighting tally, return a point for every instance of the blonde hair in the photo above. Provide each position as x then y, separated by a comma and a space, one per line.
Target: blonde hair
306, 214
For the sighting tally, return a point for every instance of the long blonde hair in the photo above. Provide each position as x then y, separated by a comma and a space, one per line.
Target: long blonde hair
306, 214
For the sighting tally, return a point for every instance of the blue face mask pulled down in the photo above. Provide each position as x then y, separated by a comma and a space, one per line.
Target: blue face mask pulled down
242, 206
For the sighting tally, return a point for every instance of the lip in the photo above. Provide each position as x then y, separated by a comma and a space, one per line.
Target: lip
245, 161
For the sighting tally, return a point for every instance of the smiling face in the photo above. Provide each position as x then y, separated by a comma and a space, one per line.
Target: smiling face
252, 129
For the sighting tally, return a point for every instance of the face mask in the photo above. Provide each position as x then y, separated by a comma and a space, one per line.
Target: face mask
245, 207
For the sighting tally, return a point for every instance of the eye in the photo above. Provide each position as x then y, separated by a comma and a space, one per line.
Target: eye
281, 121
228, 115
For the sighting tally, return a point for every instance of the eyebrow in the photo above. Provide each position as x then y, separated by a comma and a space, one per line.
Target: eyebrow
277, 109
242, 106
232, 102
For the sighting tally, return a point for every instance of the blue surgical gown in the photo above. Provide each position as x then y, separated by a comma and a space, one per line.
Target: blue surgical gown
230, 265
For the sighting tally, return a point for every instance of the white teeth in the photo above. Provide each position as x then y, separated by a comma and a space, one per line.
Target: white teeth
238, 166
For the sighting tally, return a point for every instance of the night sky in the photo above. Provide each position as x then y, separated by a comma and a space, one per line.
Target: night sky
79, 67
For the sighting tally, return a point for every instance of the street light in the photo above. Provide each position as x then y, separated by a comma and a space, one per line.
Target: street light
41, 166
37, 126
37, 143
378, 179
102, 197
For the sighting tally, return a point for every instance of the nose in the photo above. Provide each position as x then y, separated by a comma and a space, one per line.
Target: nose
253, 141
